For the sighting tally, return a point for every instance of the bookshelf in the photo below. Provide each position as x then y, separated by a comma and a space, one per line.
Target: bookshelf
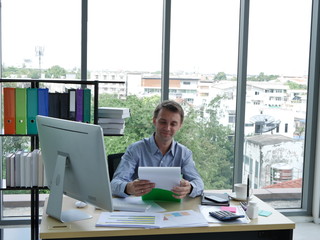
34, 140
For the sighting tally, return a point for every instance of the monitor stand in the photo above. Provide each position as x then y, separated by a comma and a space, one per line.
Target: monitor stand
54, 207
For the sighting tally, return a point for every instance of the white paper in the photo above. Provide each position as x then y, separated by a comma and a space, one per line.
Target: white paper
163, 177
130, 219
206, 209
132, 204
183, 218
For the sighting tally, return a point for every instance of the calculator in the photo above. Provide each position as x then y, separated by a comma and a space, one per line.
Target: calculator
225, 215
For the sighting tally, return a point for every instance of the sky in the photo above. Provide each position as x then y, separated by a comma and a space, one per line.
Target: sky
127, 35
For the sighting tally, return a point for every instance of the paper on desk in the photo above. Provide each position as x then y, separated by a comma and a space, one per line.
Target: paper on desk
164, 177
183, 218
206, 209
130, 219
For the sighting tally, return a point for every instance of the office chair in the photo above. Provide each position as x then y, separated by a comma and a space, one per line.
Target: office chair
113, 162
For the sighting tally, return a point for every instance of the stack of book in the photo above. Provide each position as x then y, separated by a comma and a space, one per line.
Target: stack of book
22, 105
112, 119
25, 169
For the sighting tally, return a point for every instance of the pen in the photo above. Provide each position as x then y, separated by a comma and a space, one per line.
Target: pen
248, 183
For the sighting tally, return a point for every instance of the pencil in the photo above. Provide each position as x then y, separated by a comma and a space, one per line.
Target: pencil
248, 187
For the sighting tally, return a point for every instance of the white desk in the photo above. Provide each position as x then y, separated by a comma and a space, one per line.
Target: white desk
276, 226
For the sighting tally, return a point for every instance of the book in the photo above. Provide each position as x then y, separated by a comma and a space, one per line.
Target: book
9, 110
17, 168
64, 105
111, 131
32, 110
23, 169
8, 169
112, 125
111, 120
54, 105
34, 167
86, 105
79, 105
12, 166
72, 104
206, 201
112, 112
28, 170
21, 111
43, 101
40, 170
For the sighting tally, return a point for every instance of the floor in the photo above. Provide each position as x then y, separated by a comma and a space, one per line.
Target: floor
303, 231
308, 231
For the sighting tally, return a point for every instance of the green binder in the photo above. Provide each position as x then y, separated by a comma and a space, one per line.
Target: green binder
158, 194
86, 105
32, 110
21, 111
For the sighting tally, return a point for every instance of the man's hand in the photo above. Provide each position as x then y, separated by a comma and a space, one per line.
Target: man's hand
139, 187
183, 190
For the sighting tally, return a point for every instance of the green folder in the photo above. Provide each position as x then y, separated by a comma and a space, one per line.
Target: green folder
158, 194
32, 110
21, 111
86, 105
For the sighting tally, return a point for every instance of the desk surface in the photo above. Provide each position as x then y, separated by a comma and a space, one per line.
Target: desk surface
53, 229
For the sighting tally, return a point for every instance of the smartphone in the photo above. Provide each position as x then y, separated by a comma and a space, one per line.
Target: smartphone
216, 199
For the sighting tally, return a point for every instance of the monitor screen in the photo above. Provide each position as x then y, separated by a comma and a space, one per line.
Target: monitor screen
75, 165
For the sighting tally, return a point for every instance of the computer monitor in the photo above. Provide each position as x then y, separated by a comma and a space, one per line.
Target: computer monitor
75, 165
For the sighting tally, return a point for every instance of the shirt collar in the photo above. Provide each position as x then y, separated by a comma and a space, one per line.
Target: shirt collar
155, 148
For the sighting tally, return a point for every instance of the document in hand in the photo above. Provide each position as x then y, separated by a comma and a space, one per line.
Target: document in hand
130, 219
165, 178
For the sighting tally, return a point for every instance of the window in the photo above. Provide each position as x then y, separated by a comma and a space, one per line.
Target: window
197, 53
40, 39
291, 48
124, 46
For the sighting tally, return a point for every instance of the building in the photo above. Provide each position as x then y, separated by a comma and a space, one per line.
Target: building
270, 159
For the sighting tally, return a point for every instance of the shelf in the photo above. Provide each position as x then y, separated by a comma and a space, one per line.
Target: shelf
35, 83
4, 187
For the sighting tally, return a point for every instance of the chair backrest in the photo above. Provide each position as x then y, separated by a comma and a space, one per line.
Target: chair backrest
113, 162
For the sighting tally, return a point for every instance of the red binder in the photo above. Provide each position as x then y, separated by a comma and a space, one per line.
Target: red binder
9, 110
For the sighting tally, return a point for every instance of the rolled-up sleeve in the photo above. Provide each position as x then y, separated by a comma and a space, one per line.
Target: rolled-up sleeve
124, 174
190, 173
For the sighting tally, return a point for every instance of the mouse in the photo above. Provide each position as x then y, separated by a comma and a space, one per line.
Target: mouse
80, 204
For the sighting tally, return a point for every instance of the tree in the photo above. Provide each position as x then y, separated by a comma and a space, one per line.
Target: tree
262, 77
8, 72
293, 85
55, 72
208, 140
220, 76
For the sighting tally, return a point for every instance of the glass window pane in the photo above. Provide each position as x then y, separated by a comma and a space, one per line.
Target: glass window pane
124, 35
38, 35
40, 39
124, 47
279, 35
203, 68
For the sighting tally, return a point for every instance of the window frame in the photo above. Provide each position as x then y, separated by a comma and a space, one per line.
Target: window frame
313, 92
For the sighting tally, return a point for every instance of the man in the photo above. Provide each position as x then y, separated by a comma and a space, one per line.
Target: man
158, 150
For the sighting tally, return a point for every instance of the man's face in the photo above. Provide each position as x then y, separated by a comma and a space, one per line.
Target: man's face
167, 124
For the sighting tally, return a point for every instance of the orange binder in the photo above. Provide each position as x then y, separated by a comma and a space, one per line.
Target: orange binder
9, 110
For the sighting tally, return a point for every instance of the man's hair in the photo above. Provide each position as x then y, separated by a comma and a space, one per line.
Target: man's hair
172, 106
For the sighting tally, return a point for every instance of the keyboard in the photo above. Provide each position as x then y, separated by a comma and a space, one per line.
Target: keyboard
120, 204
225, 215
